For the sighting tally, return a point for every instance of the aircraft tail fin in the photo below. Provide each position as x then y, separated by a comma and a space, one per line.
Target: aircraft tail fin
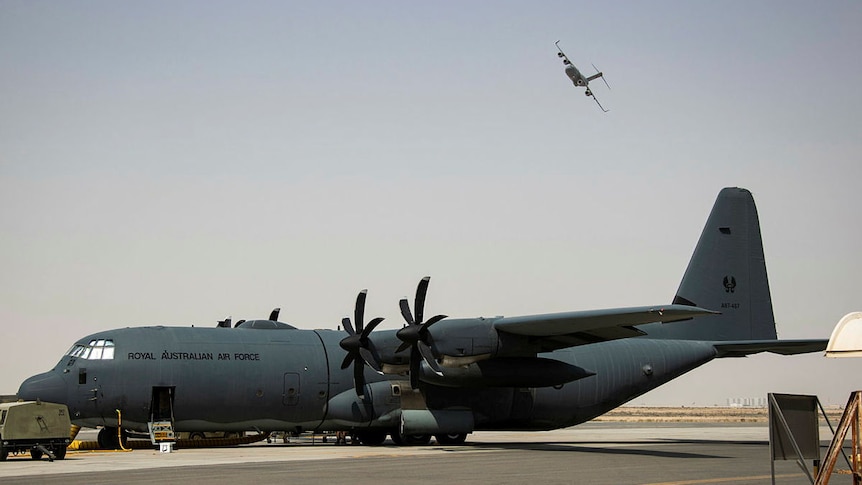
727, 273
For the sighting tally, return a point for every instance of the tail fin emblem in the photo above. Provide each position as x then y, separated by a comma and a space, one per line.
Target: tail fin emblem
729, 284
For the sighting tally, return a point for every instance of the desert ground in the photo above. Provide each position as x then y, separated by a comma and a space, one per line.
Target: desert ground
637, 414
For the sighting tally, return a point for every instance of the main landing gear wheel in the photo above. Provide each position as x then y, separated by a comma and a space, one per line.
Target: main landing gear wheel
410, 439
451, 438
35, 454
59, 452
417, 439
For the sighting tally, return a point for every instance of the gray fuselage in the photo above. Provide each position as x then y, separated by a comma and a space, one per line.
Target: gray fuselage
290, 379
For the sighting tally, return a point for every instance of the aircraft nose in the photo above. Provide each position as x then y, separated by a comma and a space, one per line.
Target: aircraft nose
48, 387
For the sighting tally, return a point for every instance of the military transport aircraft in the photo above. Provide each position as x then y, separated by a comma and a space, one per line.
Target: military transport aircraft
579, 79
437, 376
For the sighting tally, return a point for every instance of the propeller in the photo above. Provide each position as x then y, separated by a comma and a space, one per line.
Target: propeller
358, 346
415, 335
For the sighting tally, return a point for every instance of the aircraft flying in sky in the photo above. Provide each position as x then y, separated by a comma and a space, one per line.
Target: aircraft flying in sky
579, 79
439, 376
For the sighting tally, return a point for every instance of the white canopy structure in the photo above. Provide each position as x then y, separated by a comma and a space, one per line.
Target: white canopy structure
846, 339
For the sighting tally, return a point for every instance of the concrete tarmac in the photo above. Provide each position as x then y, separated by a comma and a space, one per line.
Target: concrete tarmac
592, 453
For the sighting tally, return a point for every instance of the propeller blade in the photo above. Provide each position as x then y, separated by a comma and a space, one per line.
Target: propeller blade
359, 379
405, 311
369, 359
345, 322
414, 367
429, 358
404, 346
433, 320
359, 311
419, 303
371, 326
274, 314
347, 360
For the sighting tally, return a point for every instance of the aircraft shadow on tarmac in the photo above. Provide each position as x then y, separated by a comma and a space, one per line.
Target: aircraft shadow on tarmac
618, 448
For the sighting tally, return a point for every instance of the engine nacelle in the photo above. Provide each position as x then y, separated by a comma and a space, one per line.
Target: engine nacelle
458, 338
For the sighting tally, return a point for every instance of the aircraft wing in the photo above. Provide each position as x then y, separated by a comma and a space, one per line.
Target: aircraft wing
597, 102
569, 329
783, 347
562, 54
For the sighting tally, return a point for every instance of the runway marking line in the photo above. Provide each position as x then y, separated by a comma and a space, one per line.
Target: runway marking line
726, 479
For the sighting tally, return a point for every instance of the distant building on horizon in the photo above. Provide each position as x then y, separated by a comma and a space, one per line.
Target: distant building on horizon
747, 402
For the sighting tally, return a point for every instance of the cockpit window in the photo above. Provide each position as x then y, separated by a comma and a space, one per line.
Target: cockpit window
101, 349
108, 353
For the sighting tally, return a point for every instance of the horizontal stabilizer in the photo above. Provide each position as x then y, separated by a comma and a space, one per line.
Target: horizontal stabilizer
783, 347
590, 321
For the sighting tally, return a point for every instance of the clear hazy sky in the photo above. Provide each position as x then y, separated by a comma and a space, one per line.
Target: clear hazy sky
176, 163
